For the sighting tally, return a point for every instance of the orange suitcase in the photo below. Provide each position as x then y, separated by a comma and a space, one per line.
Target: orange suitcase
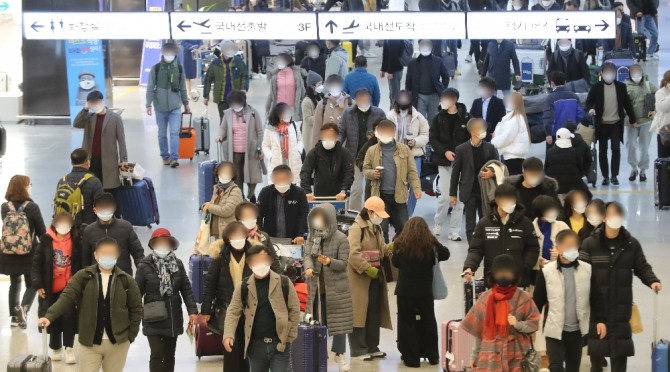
187, 137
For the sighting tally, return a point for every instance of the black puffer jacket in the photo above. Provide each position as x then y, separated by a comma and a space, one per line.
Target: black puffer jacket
327, 172
219, 286
565, 165
149, 283
124, 234
446, 132
613, 269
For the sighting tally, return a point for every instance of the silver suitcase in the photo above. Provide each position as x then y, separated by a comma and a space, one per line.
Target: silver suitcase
202, 129
32, 363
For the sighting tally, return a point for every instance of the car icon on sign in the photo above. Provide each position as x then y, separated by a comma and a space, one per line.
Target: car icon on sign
562, 25
583, 28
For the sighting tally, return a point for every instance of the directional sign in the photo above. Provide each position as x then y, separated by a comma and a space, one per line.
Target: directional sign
96, 25
391, 25
246, 26
4, 6
542, 25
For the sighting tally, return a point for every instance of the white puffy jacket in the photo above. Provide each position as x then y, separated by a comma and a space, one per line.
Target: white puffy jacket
511, 137
662, 117
418, 130
272, 150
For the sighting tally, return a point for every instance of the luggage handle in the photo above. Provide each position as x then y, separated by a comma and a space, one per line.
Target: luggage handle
309, 318
219, 151
190, 119
45, 349
655, 330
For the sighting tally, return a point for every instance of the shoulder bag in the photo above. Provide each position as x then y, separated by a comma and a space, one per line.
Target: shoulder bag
532, 360
155, 311
440, 290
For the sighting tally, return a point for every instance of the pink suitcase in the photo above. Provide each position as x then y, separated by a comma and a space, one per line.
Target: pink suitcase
456, 347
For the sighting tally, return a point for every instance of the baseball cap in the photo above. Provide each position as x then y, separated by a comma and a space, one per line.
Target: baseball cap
376, 204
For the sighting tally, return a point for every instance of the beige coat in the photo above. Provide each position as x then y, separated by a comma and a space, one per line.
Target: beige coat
308, 123
364, 235
287, 316
556, 227
223, 206
406, 173
331, 114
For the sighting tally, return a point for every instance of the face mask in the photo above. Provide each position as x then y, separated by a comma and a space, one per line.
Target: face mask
63, 228
376, 220
579, 207
282, 188
446, 105
314, 54
509, 208
534, 181
564, 48
618, 21
614, 223
168, 58
404, 106
319, 89
238, 243
608, 78
335, 91
107, 262
504, 282
551, 216
162, 251
261, 270
286, 118
570, 254
483, 93
317, 224
364, 108
229, 54
425, 52
481, 135
225, 178
547, 2
594, 219
281, 66
105, 215
383, 139
328, 145
509, 108
87, 84
237, 108
98, 109
249, 224
636, 77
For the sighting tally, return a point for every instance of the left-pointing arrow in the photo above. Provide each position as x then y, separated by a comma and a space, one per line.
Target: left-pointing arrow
35, 26
182, 26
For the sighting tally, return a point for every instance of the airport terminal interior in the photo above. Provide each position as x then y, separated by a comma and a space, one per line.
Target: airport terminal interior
41, 151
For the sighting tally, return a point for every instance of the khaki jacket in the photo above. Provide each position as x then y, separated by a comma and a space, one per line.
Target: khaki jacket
222, 207
406, 173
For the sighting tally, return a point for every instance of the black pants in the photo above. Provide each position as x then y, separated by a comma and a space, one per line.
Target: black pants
616, 364
472, 208
475, 49
96, 167
663, 151
514, 166
15, 292
567, 350
354, 49
239, 158
417, 338
62, 330
398, 215
222, 106
257, 61
609, 133
162, 353
235, 360
366, 340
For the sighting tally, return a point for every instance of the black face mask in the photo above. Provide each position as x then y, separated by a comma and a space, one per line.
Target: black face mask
504, 282
404, 106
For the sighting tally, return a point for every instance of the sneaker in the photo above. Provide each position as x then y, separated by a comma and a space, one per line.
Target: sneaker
69, 356
364, 357
21, 316
14, 322
658, 47
643, 176
341, 360
57, 355
378, 355
606, 181
437, 230
454, 237
633, 175
370, 55
174, 163
166, 161
457, 73
468, 58
615, 181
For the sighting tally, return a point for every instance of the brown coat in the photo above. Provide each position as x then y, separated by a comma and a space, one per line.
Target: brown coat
331, 114
222, 207
365, 234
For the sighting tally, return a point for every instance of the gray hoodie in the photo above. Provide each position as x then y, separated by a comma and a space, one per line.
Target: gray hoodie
338, 62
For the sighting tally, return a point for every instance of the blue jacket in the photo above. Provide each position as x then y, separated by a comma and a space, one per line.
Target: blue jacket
497, 61
439, 74
561, 105
626, 36
361, 78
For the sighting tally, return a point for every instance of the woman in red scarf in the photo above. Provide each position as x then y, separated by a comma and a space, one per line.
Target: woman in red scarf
282, 141
503, 320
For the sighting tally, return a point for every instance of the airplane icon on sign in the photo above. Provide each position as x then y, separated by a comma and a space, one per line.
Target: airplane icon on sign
203, 24
352, 25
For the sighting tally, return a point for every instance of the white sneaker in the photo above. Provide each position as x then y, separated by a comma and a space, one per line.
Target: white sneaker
378, 354
341, 360
468, 58
437, 230
364, 357
69, 356
454, 237
57, 355
370, 55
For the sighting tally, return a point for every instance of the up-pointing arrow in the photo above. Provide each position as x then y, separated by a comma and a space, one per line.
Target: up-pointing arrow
35, 26
182, 26
604, 25
332, 25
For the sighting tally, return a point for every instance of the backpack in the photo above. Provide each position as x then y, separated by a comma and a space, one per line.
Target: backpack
407, 52
245, 290
158, 67
69, 197
17, 238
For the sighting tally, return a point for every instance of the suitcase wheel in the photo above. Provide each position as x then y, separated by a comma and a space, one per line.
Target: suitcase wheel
207, 152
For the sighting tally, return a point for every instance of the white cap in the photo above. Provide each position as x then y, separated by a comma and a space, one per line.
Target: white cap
564, 133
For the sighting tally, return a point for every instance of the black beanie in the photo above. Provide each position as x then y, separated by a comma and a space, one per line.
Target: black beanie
504, 262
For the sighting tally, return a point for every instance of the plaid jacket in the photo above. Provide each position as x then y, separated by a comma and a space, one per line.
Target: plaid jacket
504, 354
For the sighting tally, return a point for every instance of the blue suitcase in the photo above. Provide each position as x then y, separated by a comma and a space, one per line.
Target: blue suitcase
309, 352
206, 181
659, 348
198, 265
138, 204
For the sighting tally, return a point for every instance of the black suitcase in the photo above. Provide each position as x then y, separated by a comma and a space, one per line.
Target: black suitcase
640, 47
468, 298
592, 173
662, 183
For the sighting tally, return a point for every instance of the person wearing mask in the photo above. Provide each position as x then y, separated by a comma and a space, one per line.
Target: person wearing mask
161, 277
127, 242
326, 258
390, 168
88, 184
502, 320
569, 61
330, 108
662, 114
512, 135
546, 227
312, 98
392, 67
228, 72
246, 213
561, 105
546, 5
283, 207
241, 135
623, 38
416, 251
646, 12
518, 6
583, 149
360, 78
615, 256
532, 183
315, 61
104, 140
166, 93
286, 86
225, 198
595, 212
564, 164
488, 106
56, 260
106, 328
367, 281
469, 159
567, 290
500, 54
338, 59
282, 141
329, 167
609, 104
447, 131
18, 248
638, 137
274, 314
427, 77
412, 130
574, 210
355, 130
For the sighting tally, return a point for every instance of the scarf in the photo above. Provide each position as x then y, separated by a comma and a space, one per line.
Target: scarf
497, 310
545, 229
223, 186
166, 267
317, 240
282, 129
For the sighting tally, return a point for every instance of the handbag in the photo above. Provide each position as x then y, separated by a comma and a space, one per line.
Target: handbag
204, 234
374, 257
532, 360
440, 290
155, 312
216, 321
636, 320
649, 101
587, 133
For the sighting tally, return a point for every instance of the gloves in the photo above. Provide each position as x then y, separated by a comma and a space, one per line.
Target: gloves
372, 272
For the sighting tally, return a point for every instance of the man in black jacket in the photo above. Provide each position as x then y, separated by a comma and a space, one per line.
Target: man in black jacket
427, 76
283, 207
447, 131
533, 183
609, 103
488, 106
328, 166
91, 188
315, 60
506, 231
469, 159
391, 65
111, 227
570, 61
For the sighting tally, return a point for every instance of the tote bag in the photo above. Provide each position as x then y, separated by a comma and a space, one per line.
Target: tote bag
439, 284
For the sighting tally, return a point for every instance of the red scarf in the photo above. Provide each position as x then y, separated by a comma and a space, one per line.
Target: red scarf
497, 310
282, 128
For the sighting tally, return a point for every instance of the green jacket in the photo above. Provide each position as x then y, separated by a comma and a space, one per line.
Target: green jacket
82, 291
637, 92
216, 74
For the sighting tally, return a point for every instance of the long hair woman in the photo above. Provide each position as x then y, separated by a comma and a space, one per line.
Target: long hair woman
282, 142
512, 134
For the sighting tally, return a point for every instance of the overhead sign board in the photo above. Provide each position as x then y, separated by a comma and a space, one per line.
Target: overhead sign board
542, 25
245, 26
391, 25
96, 25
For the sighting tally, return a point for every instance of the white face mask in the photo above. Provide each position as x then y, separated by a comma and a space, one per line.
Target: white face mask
335, 91
547, 3
614, 223
168, 58
87, 84
286, 118
281, 65
636, 77
98, 108
446, 105
238, 243
570, 254
249, 224
483, 93
618, 21
509, 208
481, 135
383, 138
319, 89
534, 181
105, 215
579, 207
317, 223
551, 216
162, 251
225, 178
564, 48
314, 54
229, 54
509, 107
261, 270
283, 188
63, 228
376, 220
328, 144
237, 108
608, 77
364, 108
426, 51
594, 219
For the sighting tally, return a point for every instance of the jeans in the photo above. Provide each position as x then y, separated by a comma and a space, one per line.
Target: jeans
62, 330
473, 207
239, 158
15, 292
356, 195
428, 105
611, 133
265, 357
567, 350
366, 340
171, 120
649, 27
638, 139
411, 202
394, 85
162, 353
452, 45
616, 364
339, 341
444, 203
397, 212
